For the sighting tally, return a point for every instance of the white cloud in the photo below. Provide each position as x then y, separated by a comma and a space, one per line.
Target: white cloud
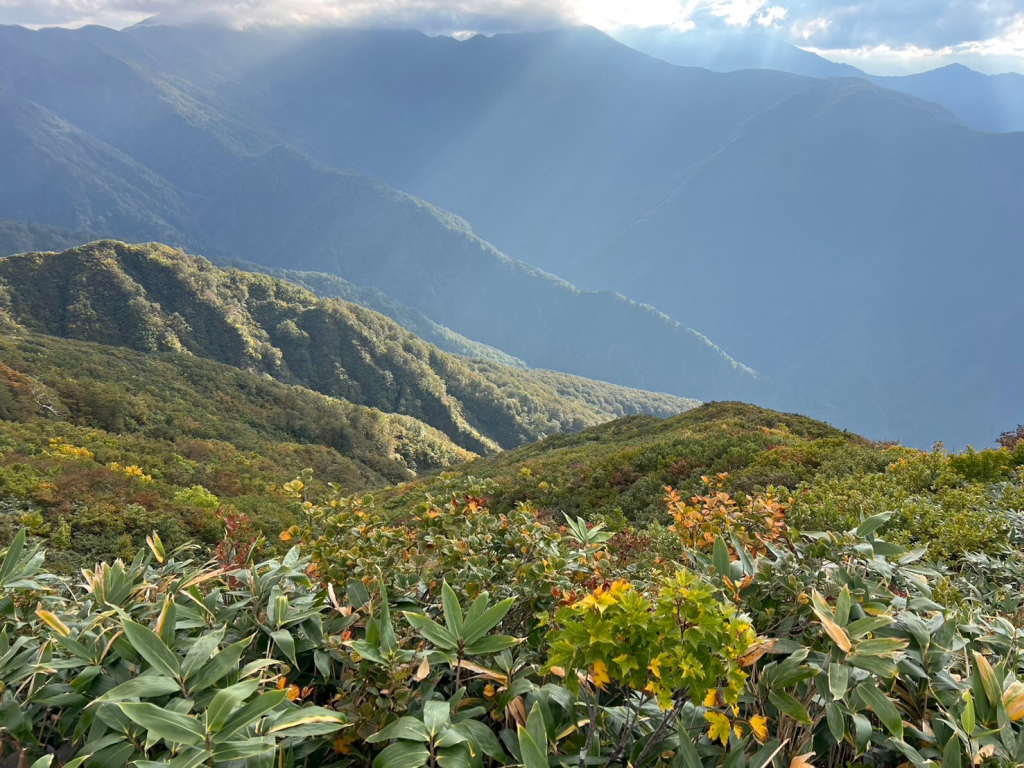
852, 30
772, 15
1001, 52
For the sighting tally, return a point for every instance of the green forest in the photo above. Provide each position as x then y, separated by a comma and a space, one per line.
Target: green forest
246, 525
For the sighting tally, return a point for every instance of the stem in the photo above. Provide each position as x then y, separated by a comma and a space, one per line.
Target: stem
669, 716
627, 728
592, 729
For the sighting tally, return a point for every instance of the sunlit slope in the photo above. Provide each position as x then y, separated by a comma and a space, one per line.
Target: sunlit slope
153, 298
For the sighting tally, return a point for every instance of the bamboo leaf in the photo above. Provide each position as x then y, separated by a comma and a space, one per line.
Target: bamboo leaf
164, 724
150, 647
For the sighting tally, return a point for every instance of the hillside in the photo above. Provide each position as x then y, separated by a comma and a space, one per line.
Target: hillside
75, 415
330, 286
620, 474
618, 471
152, 298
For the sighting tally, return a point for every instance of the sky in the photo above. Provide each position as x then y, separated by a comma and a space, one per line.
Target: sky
880, 36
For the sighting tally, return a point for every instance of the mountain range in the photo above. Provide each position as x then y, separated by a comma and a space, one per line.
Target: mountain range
986, 102
854, 245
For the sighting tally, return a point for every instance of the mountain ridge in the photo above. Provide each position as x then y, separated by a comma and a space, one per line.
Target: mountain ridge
153, 298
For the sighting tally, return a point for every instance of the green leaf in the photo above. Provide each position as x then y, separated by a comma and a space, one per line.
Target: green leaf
952, 753
457, 756
408, 728
880, 646
838, 679
720, 558
308, 721
482, 738
114, 756
480, 626
686, 756
367, 651
143, 687
968, 719
765, 754
240, 750
862, 731
356, 593
533, 757
388, 639
868, 624
989, 680
436, 716
403, 754
42, 762
202, 650
283, 639
449, 737
789, 705
188, 758
876, 665
13, 555
223, 662
433, 631
836, 724
879, 703
453, 617
164, 724
536, 726
843, 604
150, 647
226, 702
872, 524
251, 712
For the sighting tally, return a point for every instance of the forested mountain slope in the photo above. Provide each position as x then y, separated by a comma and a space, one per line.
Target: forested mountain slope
153, 298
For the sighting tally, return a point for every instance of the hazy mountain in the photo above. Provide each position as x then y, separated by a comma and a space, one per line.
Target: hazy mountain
880, 237
985, 102
284, 209
23, 236
816, 227
153, 298
731, 50
55, 173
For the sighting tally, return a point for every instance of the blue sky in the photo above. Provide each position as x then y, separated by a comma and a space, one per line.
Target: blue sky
878, 35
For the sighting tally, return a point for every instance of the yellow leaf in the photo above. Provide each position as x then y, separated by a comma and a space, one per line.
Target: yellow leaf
711, 700
1013, 700
53, 622
984, 753
755, 652
759, 725
720, 727
655, 665
802, 761
423, 671
599, 674
600, 599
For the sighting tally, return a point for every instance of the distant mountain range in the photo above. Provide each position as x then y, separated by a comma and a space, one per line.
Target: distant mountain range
857, 246
985, 102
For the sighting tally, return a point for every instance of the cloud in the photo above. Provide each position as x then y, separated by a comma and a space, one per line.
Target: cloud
743, 13
860, 30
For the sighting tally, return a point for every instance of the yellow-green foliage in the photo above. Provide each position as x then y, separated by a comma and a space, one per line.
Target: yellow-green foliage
92, 432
